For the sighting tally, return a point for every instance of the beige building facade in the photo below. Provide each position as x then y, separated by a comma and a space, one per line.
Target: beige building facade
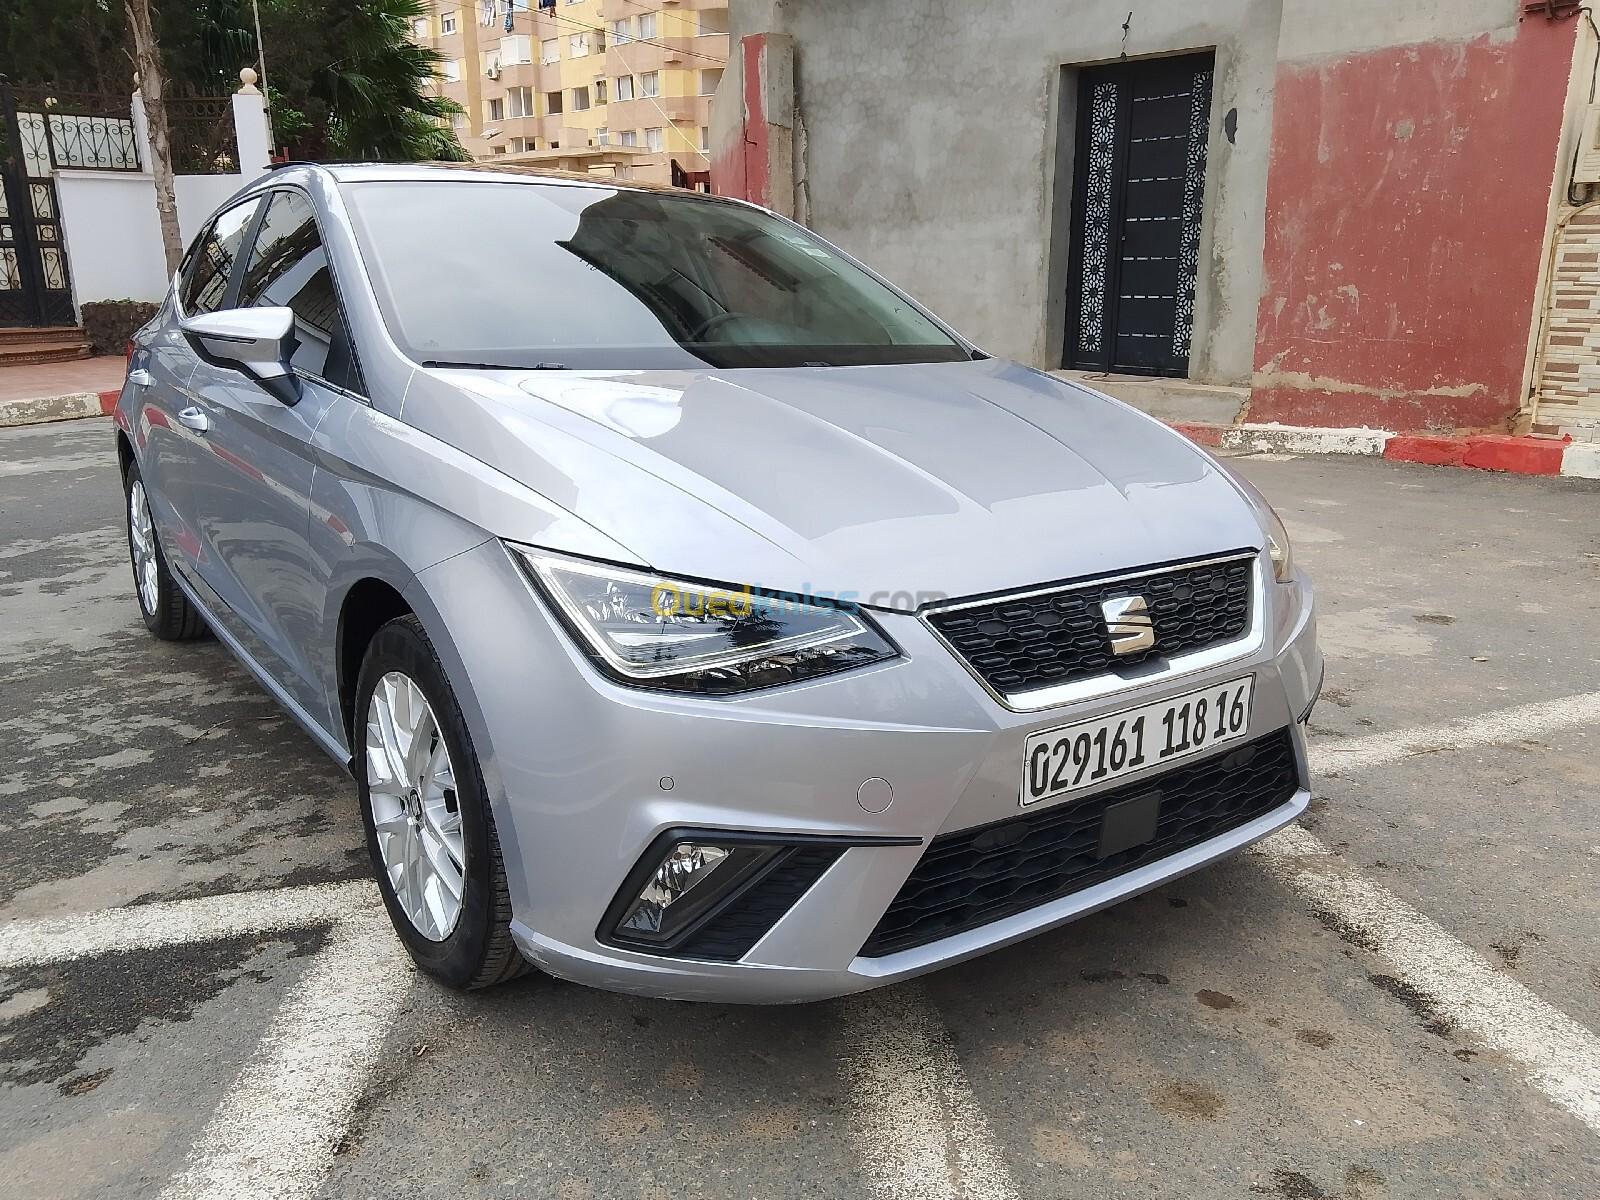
618, 88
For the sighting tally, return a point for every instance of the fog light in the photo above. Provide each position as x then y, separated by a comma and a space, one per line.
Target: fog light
686, 885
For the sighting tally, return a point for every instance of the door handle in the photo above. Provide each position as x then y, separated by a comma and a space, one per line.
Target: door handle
193, 418
139, 377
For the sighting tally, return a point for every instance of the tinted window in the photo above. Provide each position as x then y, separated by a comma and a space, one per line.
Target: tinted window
211, 262
524, 274
288, 268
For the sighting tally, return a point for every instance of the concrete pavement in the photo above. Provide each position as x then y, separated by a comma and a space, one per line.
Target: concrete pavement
1266, 1027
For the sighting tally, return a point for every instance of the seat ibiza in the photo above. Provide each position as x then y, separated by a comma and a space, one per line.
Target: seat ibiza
697, 615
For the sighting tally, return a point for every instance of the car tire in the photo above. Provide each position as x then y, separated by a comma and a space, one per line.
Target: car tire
443, 822
166, 610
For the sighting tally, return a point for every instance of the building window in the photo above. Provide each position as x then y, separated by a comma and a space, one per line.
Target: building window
709, 80
705, 137
647, 26
520, 146
713, 21
619, 30
602, 136
652, 138
550, 51
578, 45
517, 49
519, 101
552, 103
630, 137
458, 121
491, 63
447, 23
650, 83
419, 28
498, 149
599, 91
450, 70
580, 99
624, 87
497, 109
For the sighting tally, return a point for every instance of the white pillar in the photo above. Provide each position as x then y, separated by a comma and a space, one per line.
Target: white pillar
251, 133
141, 131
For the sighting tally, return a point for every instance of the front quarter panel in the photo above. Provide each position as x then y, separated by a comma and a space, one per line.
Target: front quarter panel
388, 501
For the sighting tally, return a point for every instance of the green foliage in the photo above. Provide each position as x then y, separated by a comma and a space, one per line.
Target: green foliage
345, 80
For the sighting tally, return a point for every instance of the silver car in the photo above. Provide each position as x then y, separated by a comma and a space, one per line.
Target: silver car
698, 616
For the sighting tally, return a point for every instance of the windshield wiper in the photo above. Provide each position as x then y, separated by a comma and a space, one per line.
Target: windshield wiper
485, 366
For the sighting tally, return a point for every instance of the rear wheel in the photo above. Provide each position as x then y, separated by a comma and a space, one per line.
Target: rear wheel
429, 830
166, 610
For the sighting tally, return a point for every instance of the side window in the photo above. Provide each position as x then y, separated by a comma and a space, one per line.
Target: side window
211, 261
288, 268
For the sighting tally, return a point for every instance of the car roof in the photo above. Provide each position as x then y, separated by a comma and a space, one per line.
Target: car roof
477, 172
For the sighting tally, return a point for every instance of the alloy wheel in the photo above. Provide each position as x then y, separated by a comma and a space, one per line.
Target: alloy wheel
142, 542
411, 786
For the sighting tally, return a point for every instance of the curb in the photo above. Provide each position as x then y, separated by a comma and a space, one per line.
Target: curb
1484, 452
35, 410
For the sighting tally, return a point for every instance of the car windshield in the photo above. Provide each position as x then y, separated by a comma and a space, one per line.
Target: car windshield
519, 274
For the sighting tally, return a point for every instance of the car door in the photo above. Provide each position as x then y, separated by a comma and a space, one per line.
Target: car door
251, 492
160, 373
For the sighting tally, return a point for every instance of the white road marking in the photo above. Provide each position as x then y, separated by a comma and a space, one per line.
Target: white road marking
918, 1127
1560, 1057
168, 923
273, 1137
1495, 728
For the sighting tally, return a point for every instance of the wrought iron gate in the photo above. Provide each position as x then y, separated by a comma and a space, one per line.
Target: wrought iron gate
1140, 179
34, 285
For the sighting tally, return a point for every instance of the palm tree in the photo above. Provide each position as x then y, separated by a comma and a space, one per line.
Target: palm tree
379, 91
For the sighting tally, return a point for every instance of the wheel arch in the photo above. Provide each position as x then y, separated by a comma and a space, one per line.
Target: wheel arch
368, 605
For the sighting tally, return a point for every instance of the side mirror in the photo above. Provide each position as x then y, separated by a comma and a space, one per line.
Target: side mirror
258, 341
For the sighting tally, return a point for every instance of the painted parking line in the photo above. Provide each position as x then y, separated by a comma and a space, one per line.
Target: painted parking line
1558, 1056
275, 1133
1500, 728
917, 1126
173, 922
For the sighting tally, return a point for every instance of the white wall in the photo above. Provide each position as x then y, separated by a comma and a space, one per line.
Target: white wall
109, 218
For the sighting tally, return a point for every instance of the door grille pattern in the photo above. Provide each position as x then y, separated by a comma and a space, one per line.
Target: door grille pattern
1194, 186
1097, 216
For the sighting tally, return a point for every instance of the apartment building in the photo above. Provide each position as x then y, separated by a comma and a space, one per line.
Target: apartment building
618, 88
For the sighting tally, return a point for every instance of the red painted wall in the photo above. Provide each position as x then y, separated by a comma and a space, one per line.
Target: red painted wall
1406, 211
741, 169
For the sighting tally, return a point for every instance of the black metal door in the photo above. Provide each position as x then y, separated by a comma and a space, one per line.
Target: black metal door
34, 287
1140, 178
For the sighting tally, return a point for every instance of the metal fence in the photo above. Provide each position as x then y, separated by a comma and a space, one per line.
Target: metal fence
200, 131
75, 131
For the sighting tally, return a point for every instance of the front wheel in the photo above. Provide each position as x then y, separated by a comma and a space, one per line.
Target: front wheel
166, 610
429, 829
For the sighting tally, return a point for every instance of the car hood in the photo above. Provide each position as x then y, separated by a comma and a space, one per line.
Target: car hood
887, 485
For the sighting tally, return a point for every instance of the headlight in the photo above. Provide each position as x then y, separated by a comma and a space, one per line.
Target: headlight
1278, 547
670, 634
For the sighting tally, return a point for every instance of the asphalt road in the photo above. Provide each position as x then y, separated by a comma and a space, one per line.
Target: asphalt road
1223, 1036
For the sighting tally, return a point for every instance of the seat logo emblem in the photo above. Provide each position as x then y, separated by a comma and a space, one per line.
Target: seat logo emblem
1128, 623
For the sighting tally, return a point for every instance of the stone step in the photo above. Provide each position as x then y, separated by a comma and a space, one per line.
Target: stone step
26, 353
12, 334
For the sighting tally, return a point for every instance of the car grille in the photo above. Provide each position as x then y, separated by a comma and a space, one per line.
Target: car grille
728, 936
1016, 644
976, 876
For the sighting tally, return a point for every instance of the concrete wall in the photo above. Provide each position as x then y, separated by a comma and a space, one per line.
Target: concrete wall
934, 141
1408, 210
109, 220
1391, 275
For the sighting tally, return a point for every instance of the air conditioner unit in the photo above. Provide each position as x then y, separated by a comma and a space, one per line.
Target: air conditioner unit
1587, 168
494, 71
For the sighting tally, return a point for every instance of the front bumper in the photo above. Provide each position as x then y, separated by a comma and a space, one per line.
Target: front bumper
584, 775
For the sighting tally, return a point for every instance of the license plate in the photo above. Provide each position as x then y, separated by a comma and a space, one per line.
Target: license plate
1058, 761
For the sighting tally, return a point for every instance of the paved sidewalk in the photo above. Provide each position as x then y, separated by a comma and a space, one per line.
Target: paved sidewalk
37, 392
100, 374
